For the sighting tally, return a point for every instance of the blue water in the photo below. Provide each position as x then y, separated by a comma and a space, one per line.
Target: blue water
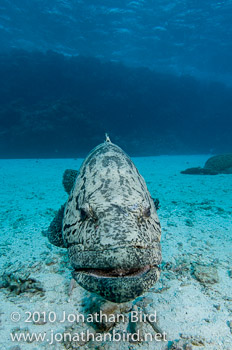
155, 75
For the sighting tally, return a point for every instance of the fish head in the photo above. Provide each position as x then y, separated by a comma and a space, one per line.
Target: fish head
114, 247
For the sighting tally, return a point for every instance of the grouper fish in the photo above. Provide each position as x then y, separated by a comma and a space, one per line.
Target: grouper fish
109, 226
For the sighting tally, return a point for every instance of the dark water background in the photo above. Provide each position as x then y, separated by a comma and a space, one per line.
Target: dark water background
155, 75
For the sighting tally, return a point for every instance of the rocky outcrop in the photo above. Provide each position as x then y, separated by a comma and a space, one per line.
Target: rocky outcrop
220, 164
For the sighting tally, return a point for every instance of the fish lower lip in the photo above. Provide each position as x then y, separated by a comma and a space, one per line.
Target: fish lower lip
115, 273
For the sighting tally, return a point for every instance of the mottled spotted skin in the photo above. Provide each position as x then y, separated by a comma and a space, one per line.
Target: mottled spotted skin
110, 223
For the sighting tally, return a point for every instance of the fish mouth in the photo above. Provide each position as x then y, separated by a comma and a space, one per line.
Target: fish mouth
118, 285
115, 273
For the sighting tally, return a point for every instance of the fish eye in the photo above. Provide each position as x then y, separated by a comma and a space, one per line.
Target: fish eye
84, 214
87, 212
147, 212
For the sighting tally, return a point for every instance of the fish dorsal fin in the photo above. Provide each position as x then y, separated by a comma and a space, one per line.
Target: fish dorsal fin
107, 138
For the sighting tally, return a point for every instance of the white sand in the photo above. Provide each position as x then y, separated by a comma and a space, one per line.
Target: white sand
30, 191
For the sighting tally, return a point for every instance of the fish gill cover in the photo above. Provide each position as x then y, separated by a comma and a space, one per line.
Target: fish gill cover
156, 75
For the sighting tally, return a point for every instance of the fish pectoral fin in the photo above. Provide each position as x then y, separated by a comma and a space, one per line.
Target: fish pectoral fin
54, 231
69, 178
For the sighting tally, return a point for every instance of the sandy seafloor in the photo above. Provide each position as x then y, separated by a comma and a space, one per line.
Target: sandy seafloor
195, 214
